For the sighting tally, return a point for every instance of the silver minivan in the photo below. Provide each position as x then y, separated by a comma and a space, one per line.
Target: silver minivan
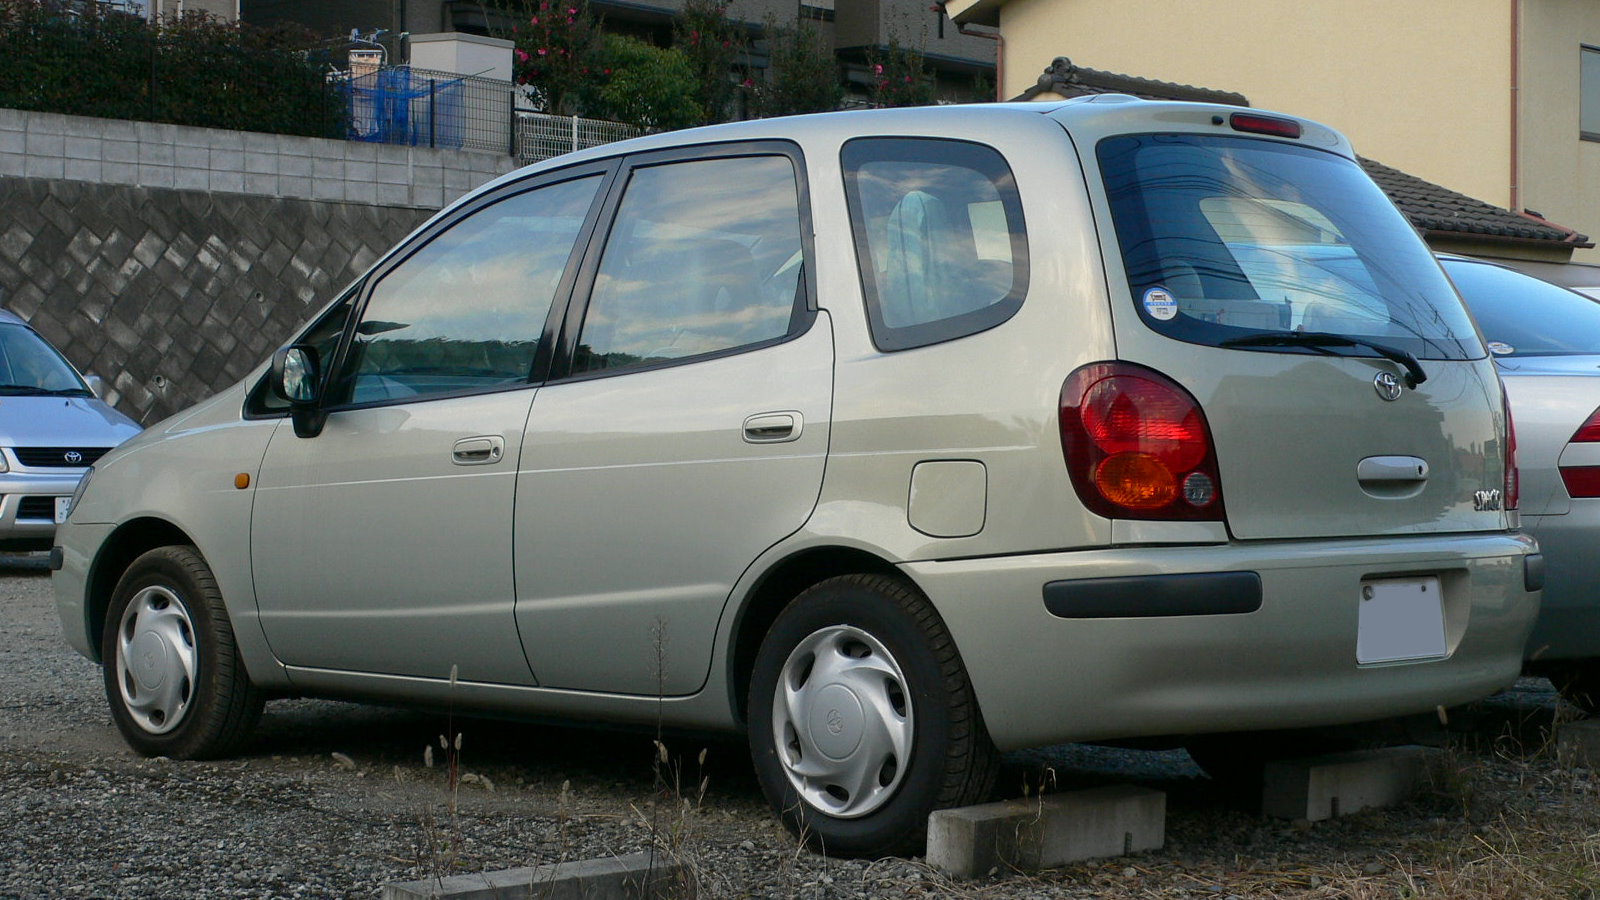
891, 439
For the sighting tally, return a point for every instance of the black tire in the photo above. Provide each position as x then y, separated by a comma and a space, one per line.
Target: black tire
913, 666
1579, 683
173, 676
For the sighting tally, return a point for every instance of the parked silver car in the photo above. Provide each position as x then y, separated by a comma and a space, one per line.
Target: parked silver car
1546, 342
52, 428
891, 439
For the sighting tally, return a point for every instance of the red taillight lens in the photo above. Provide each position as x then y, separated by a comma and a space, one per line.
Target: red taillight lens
1513, 480
1137, 445
1584, 481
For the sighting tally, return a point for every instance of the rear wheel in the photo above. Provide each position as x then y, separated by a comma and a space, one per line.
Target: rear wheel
862, 720
173, 675
1579, 683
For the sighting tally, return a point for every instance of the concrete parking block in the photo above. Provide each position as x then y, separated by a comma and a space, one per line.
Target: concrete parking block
1578, 743
636, 876
1050, 831
1337, 784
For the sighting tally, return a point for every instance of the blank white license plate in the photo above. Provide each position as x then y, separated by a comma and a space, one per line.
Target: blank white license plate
63, 505
1401, 618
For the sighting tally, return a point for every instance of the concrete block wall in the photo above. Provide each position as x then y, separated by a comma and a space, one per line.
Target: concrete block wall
149, 154
171, 260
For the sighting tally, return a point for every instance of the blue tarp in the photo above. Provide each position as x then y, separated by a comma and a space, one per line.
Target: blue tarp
395, 106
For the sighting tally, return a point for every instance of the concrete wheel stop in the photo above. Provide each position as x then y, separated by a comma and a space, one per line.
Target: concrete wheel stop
1046, 832
1337, 784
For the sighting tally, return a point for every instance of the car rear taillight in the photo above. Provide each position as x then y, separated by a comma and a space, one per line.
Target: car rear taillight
1137, 445
1584, 481
1513, 480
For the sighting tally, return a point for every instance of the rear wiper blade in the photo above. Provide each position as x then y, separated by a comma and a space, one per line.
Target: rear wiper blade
1414, 373
29, 390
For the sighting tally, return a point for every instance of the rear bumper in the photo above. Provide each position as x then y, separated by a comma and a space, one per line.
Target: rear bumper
27, 506
1569, 620
1042, 678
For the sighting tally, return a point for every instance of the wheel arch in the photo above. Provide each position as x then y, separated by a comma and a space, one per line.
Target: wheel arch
772, 592
127, 543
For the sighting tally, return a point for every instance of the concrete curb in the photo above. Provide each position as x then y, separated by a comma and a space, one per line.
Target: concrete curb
636, 876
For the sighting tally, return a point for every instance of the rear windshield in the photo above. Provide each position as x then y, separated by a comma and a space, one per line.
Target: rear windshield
1523, 316
1224, 238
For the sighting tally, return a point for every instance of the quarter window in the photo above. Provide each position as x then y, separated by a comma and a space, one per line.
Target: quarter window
704, 257
467, 311
939, 232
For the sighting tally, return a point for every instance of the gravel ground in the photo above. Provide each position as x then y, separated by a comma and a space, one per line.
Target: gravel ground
334, 800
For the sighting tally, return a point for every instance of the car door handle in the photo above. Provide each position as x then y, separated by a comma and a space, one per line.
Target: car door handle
773, 427
478, 451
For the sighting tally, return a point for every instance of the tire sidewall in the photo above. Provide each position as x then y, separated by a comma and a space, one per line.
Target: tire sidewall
884, 831
163, 567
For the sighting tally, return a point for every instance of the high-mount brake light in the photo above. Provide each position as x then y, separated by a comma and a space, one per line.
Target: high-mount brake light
1137, 445
1272, 125
1584, 481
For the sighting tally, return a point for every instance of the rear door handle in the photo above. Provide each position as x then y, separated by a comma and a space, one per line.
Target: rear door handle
773, 427
478, 451
1392, 468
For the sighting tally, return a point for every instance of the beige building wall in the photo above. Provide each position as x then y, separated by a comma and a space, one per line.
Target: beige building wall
1559, 172
1424, 87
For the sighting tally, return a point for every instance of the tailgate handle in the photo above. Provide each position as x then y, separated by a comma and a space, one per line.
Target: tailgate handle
1392, 469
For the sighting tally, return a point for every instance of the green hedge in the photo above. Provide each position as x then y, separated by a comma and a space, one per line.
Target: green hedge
80, 59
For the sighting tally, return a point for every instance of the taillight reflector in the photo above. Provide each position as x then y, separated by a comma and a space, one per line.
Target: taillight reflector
1581, 481
1513, 478
1589, 431
1272, 125
1137, 445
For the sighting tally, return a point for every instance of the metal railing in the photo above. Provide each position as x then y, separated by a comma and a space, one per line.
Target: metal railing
428, 108
541, 135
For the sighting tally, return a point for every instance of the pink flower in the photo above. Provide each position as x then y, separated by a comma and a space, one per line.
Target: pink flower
877, 69
535, 20
543, 52
572, 10
522, 56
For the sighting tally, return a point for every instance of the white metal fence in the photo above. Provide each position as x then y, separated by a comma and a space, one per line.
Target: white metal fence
541, 135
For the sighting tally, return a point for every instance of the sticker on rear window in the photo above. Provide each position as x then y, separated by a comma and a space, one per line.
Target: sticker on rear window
1160, 304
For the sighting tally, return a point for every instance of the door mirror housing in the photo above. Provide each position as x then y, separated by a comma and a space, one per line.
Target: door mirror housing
97, 385
297, 377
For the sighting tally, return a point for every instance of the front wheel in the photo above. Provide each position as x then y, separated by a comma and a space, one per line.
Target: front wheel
173, 675
862, 720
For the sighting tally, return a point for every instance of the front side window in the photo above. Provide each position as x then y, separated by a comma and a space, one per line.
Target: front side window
939, 233
1229, 240
704, 257
1589, 94
28, 365
467, 311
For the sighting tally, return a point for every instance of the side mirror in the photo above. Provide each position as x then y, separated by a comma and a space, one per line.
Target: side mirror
97, 385
296, 376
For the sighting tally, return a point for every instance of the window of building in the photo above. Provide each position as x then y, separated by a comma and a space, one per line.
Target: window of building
1589, 115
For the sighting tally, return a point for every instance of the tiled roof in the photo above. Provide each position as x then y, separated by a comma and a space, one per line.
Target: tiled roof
1433, 207
1069, 80
1429, 206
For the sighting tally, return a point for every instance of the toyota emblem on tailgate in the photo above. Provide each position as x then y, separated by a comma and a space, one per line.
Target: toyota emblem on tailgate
1387, 386
72, 456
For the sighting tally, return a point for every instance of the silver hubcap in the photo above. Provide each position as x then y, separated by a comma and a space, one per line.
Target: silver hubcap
156, 660
842, 721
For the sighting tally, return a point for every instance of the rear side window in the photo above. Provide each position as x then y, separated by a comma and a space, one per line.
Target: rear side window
1225, 238
940, 237
1523, 316
704, 257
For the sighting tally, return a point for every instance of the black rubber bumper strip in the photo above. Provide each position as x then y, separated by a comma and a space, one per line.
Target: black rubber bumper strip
1533, 572
57, 559
1143, 596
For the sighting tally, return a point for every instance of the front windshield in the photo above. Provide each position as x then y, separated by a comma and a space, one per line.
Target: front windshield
1225, 238
28, 365
1523, 316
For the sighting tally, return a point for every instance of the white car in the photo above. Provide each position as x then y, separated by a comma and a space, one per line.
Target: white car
892, 439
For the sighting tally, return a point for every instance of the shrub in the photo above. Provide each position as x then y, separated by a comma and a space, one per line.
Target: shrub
713, 44
647, 86
900, 77
558, 54
804, 77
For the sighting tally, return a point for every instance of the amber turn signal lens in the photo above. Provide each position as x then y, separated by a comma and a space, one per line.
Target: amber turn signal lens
1136, 480
241, 480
